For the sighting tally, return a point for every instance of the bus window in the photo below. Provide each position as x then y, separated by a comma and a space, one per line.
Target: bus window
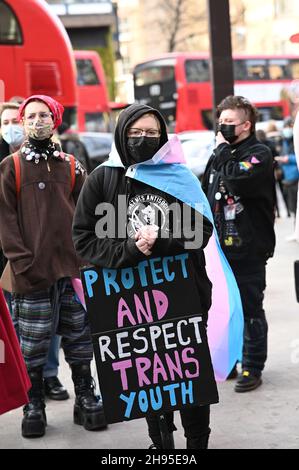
10, 31
256, 69
250, 69
86, 74
197, 71
269, 113
239, 70
279, 69
294, 66
93, 106
154, 75
155, 86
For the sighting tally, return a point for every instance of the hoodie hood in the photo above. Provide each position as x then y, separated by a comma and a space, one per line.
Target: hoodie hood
126, 118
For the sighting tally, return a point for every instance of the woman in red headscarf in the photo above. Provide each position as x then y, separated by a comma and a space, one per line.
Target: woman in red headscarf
39, 187
14, 380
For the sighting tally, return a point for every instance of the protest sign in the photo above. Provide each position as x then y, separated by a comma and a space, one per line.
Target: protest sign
149, 337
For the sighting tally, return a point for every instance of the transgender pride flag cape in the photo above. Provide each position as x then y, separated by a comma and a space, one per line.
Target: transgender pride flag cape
167, 172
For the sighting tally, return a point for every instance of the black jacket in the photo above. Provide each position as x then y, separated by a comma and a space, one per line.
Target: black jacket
240, 186
105, 184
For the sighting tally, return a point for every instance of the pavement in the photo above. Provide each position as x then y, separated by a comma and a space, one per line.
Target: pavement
266, 418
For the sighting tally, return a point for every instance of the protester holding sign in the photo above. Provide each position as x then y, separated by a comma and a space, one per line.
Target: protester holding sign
140, 256
39, 187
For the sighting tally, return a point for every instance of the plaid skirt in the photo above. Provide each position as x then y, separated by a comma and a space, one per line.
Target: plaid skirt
39, 315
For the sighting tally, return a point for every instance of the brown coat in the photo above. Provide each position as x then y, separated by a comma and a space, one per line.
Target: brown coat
36, 227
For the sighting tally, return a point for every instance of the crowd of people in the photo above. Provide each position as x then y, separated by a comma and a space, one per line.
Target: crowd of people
47, 232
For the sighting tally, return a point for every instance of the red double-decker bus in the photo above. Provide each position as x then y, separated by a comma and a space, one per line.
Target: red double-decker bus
36, 54
178, 84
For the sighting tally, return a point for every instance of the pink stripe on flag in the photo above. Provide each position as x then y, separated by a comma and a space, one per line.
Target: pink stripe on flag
219, 313
172, 151
78, 288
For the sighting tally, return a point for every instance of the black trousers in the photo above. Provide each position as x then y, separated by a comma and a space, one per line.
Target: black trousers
251, 279
195, 421
290, 191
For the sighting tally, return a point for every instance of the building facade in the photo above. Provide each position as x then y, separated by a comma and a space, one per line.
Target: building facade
92, 24
151, 27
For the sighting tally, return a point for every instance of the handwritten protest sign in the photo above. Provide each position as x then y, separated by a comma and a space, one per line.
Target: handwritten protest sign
149, 337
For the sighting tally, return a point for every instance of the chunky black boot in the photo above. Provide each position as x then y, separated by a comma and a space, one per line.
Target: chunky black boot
34, 422
54, 389
88, 408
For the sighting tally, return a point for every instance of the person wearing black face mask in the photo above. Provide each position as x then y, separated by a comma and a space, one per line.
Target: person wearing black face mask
228, 132
143, 144
139, 135
240, 186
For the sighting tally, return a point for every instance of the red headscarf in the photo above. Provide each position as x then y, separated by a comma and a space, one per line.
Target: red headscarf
55, 107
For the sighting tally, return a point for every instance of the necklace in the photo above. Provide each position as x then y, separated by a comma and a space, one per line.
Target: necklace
30, 151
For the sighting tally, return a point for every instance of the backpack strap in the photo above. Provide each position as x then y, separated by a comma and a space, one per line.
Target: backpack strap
17, 165
73, 172
110, 183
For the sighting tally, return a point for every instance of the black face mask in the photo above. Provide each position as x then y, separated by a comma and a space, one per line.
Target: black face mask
228, 132
142, 148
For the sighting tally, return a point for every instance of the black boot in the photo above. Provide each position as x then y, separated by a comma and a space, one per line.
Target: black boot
88, 408
54, 389
35, 421
198, 442
160, 429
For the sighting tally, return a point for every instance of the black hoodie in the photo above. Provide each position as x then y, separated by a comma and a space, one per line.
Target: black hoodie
126, 118
105, 184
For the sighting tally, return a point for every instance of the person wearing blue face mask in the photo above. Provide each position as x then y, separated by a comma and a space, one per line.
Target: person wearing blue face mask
12, 133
